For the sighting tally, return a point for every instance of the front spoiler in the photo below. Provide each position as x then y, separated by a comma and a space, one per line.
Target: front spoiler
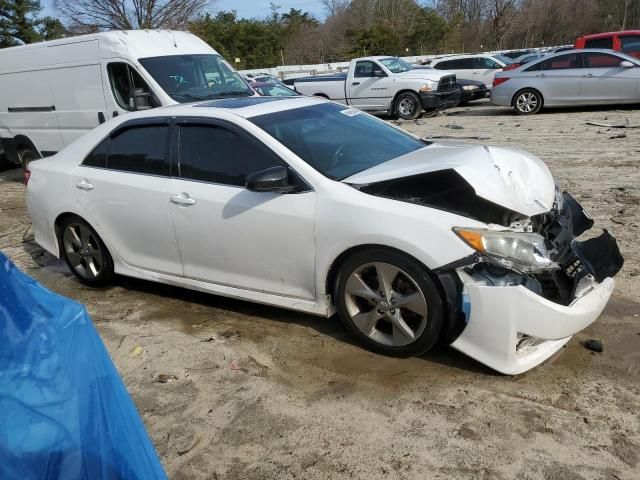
498, 314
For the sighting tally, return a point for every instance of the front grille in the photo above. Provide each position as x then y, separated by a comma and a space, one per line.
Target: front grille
447, 83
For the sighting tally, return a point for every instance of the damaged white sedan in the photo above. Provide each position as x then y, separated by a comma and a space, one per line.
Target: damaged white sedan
309, 205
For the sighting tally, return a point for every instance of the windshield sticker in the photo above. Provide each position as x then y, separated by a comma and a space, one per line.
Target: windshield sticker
350, 112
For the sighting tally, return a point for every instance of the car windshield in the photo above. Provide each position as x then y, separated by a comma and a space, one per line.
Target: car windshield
188, 78
396, 65
503, 59
274, 90
335, 140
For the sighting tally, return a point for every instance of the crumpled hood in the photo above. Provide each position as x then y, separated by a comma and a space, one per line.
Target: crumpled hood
512, 178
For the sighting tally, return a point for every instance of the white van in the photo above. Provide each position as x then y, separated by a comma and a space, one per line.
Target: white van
53, 92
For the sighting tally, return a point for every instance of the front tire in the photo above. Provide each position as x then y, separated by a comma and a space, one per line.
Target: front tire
408, 106
527, 101
389, 303
85, 253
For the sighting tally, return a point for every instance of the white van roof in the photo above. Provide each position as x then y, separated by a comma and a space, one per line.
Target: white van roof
130, 43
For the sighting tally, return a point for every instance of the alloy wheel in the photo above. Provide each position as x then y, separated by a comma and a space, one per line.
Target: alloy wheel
527, 102
406, 107
83, 251
385, 304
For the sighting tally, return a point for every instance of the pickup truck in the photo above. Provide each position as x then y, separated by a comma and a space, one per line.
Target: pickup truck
385, 84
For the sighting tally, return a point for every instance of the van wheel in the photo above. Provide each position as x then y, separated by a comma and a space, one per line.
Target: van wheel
85, 253
408, 106
389, 303
527, 102
26, 156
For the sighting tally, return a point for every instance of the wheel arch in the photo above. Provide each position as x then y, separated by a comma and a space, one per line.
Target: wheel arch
22, 141
321, 95
447, 283
57, 225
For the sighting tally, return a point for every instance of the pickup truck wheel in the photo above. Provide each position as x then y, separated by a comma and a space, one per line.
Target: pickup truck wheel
408, 106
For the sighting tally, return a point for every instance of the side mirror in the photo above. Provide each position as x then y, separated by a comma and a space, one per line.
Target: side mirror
139, 99
626, 64
272, 179
379, 73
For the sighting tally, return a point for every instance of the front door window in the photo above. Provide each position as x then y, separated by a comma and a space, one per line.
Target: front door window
130, 91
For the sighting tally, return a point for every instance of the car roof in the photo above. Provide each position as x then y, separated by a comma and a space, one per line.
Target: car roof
622, 33
576, 50
456, 57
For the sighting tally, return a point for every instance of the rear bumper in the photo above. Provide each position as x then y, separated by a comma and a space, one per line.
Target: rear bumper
500, 97
445, 99
499, 317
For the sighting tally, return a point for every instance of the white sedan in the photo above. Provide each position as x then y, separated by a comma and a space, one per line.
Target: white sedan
309, 205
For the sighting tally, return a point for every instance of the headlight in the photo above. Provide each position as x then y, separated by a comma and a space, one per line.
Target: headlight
524, 252
427, 88
470, 87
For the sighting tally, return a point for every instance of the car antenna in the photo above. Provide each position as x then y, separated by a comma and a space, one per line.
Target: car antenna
174, 39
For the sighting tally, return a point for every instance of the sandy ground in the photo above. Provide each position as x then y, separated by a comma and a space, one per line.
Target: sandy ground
232, 390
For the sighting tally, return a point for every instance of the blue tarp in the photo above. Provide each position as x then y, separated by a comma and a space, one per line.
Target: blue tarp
64, 411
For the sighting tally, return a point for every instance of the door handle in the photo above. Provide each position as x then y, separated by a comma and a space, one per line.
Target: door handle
355, 83
183, 199
588, 75
84, 185
101, 118
540, 75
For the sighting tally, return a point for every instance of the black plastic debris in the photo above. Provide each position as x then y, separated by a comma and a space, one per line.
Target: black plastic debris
594, 345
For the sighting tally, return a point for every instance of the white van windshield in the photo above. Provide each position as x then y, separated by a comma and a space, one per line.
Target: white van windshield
188, 78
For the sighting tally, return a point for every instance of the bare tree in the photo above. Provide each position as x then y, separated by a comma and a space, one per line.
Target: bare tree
130, 14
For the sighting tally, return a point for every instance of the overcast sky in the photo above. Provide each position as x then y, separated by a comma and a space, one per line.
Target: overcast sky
245, 8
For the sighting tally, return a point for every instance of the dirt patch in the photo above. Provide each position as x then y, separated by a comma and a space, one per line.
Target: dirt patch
233, 390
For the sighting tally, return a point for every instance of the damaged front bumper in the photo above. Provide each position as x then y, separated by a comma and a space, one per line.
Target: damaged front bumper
514, 321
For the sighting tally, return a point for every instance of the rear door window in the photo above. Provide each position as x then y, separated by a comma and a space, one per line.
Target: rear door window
599, 43
211, 153
600, 60
141, 149
561, 62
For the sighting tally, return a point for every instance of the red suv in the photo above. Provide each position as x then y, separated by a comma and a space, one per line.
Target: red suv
627, 41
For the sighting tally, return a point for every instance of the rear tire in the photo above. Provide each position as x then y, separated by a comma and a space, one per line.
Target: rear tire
389, 303
85, 253
408, 106
527, 101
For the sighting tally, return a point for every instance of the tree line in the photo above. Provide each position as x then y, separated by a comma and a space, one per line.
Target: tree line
350, 27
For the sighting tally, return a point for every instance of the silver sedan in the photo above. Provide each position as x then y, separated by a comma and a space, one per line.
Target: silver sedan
572, 78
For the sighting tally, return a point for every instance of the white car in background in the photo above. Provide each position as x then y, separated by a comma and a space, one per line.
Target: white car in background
310, 205
480, 67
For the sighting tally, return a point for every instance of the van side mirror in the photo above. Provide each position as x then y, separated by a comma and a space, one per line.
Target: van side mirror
626, 64
272, 179
379, 73
139, 99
